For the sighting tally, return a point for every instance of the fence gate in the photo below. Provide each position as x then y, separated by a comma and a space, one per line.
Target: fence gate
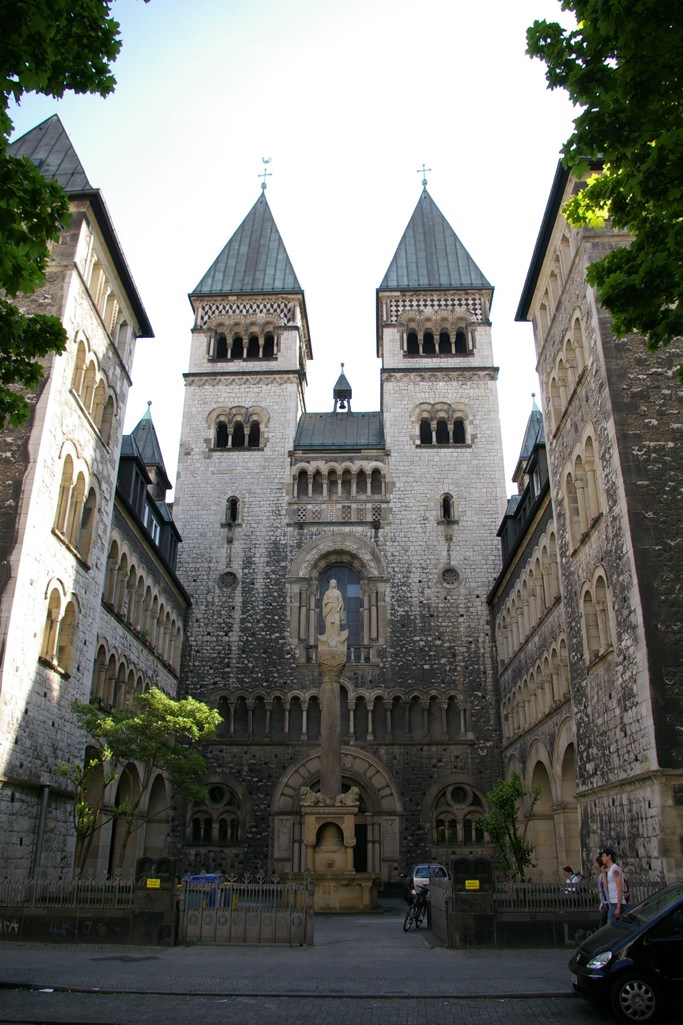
216, 909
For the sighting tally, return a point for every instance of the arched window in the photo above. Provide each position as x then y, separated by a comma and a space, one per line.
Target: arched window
232, 509
254, 434
238, 436
425, 432
573, 514
428, 344
473, 829
442, 433
412, 346
85, 535
73, 524
107, 420
376, 482
253, 347
79, 369
54, 607
221, 434
592, 631
221, 347
268, 345
447, 508
302, 484
444, 343
237, 347
460, 343
66, 484
459, 436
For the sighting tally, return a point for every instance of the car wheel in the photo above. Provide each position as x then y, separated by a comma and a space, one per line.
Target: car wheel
635, 998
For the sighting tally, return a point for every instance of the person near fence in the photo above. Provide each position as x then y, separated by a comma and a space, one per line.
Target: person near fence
603, 898
614, 881
572, 880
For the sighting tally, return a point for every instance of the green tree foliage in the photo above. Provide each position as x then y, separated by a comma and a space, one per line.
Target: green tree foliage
50, 47
156, 733
507, 824
623, 65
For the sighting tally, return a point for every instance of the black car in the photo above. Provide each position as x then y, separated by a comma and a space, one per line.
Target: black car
637, 963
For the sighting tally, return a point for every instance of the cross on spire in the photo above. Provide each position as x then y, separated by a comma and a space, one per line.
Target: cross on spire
265, 173
423, 171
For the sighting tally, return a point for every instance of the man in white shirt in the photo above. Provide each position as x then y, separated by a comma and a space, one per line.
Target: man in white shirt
614, 883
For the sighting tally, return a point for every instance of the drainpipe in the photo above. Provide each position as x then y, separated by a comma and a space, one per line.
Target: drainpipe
40, 833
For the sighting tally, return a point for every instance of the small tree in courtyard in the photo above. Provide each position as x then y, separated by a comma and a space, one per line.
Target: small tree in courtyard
153, 731
507, 824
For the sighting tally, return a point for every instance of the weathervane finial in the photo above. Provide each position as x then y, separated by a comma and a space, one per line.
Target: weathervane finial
265, 173
423, 171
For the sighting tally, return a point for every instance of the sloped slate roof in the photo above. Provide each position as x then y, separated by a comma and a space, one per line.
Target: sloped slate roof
534, 434
340, 431
49, 148
254, 260
147, 442
430, 255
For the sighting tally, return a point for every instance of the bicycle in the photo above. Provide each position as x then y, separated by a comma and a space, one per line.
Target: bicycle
417, 910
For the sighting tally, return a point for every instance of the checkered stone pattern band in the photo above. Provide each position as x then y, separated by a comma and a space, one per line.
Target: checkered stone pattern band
279, 311
455, 303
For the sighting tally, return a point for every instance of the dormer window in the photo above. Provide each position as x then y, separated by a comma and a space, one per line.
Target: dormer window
151, 524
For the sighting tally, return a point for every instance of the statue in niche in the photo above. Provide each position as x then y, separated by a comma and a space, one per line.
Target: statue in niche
333, 612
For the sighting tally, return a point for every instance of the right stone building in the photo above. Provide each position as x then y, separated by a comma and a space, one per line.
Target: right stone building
587, 607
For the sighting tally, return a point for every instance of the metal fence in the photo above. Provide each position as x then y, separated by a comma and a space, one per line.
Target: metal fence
87, 890
256, 909
556, 897
508, 895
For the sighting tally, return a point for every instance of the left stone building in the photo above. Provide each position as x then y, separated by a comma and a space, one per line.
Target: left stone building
76, 520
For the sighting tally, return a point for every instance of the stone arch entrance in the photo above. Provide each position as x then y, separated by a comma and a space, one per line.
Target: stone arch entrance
378, 823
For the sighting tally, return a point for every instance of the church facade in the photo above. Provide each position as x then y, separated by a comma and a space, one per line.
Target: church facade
539, 635
398, 506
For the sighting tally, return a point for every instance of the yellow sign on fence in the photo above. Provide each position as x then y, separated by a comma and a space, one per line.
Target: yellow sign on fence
471, 884
154, 884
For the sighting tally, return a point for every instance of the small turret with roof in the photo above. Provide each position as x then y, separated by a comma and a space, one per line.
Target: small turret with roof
145, 437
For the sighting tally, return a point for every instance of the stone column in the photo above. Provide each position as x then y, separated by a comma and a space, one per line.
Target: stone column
331, 662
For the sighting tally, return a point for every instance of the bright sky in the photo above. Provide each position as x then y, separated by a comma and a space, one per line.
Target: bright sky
348, 100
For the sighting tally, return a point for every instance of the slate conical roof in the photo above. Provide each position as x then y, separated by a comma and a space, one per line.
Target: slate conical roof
145, 437
254, 260
49, 148
533, 436
430, 255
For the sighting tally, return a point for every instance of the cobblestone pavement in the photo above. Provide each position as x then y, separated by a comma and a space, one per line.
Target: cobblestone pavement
21, 1008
